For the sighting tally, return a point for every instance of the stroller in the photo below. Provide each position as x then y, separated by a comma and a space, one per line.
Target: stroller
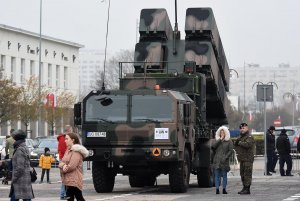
5, 172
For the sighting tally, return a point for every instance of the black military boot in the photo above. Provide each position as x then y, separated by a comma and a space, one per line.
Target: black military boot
224, 191
244, 188
246, 191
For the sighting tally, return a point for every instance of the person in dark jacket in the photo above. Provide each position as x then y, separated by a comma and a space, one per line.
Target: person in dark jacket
223, 149
245, 146
21, 187
271, 155
283, 147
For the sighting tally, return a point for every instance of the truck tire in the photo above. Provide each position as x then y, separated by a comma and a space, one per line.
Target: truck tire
103, 178
205, 177
179, 174
136, 181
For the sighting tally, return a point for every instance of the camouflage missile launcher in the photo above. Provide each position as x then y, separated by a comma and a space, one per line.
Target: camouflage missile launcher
164, 116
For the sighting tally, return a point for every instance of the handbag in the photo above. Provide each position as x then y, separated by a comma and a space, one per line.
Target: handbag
33, 175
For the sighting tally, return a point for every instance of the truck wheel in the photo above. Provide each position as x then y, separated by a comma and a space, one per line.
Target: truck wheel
136, 181
205, 177
179, 174
103, 178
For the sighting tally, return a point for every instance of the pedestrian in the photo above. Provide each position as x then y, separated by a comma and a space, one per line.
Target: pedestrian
271, 154
71, 167
245, 147
223, 149
45, 163
9, 147
62, 147
21, 187
283, 147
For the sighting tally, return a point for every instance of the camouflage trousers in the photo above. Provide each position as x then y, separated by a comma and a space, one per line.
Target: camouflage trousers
246, 172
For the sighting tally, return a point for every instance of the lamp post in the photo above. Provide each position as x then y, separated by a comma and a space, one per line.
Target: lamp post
40, 73
291, 98
265, 93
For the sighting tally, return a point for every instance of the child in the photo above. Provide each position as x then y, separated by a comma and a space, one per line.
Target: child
45, 163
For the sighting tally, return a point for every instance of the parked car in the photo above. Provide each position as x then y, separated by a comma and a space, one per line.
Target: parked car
37, 140
30, 144
292, 132
36, 153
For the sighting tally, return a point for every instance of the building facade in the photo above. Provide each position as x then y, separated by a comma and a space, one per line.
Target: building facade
284, 76
90, 65
19, 60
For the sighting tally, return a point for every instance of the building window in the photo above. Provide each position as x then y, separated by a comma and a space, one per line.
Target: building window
65, 77
57, 76
22, 74
42, 72
13, 69
49, 75
32, 65
2, 62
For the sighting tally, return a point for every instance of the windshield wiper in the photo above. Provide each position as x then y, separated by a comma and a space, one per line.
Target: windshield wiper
103, 120
147, 119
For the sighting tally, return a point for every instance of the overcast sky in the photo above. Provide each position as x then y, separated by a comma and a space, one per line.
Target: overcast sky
266, 32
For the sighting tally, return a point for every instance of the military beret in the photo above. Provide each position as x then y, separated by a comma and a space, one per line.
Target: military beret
243, 125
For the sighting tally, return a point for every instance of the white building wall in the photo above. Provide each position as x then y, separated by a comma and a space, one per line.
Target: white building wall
57, 52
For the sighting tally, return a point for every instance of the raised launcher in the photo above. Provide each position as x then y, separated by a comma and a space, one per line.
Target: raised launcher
200, 25
198, 68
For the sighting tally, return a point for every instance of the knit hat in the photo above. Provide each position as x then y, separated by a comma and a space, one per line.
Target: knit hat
272, 128
46, 149
19, 135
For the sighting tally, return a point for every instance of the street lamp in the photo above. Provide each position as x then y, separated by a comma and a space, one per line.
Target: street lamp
264, 93
40, 73
291, 98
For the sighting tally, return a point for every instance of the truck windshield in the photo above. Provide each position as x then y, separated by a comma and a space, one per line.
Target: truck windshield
151, 108
115, 112
145, 108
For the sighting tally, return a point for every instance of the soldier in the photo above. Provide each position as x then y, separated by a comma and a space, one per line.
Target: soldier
245, 146
284, 149
271, 155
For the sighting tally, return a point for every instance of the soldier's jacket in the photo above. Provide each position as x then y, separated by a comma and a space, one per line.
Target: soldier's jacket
245, 148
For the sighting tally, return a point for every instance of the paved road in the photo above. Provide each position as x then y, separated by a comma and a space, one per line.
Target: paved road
271, 188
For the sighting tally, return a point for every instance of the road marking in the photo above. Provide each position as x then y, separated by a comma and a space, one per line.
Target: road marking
293, 197
125, 195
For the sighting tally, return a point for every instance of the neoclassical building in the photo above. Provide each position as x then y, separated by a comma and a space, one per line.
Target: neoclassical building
19, 60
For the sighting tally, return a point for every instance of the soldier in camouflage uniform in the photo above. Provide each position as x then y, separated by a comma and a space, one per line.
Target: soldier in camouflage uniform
245, 146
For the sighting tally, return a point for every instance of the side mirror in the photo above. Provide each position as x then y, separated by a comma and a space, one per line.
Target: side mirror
77, 113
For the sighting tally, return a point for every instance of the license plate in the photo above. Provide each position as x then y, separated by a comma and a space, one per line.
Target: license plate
96, 134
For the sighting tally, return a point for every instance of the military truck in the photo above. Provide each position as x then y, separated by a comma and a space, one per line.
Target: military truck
164, 115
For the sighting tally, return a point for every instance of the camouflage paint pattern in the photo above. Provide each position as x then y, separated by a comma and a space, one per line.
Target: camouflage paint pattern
246, 169
129, 143
200, 24
155, 23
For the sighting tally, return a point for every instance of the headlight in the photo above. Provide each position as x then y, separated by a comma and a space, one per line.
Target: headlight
57, 156
33, 153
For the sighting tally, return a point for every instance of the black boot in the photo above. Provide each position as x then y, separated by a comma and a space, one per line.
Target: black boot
224, 191
246, 191
244, 188
217, 191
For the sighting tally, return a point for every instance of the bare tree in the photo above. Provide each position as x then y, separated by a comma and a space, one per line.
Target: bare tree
111, 80
64, 103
